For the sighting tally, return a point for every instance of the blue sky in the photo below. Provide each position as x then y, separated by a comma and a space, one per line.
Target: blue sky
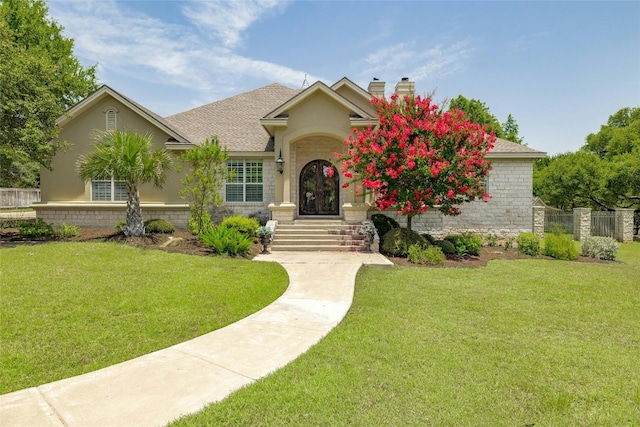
560, 68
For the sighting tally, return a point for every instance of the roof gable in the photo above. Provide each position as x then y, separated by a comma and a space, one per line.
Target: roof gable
317, 87
105, 91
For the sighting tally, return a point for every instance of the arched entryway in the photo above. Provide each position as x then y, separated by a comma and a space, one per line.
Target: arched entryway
319, 189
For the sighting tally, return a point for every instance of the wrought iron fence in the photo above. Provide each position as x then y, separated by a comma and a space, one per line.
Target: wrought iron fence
603, 223
563, 219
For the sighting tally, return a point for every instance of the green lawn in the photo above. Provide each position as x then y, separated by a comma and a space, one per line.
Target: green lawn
70, 308
518, 343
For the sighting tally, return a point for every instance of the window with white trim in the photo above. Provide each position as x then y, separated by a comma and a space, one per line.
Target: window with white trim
111, 120
244, 181
108, 190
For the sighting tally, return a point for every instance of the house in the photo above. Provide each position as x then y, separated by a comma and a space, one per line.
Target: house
281, 143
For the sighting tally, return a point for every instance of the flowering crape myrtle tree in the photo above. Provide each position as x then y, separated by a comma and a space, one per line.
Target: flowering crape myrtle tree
418, 157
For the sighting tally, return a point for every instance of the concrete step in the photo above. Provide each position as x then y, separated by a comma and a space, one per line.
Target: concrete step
310, 248
319, 242
315, 235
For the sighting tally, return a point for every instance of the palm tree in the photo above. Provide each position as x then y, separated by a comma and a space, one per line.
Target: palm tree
126, 156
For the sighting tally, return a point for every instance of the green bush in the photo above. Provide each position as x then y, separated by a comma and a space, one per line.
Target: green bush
398, 240
383, 224
421, 254
466, 244
447, 247
65, 230
492, 240
120, 225
159, 226
227, 240
430, 238
560, 246
248, 226
529, 244
39, 228
600, 247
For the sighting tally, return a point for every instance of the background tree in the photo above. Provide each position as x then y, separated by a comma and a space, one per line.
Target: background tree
478, 112
510, 129
604, 174
39, 79
419, 157
127, 156
203, 181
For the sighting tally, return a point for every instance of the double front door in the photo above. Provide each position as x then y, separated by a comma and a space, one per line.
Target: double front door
319, 189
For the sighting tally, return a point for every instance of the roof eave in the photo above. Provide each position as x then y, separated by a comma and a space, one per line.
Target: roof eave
516, 155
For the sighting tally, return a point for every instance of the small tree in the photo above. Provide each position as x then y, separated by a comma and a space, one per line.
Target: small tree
203, 181
419, 157
127, 156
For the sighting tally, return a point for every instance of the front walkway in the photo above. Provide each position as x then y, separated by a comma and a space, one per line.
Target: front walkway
159, 387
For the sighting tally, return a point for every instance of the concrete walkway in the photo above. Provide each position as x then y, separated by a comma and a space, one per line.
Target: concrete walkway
157, 388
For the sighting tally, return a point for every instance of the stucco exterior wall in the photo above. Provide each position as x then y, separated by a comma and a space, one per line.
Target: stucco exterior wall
63, 184
507, 214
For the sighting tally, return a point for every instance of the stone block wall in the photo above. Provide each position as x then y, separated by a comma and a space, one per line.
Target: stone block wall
106, 216
581, 224
507, 214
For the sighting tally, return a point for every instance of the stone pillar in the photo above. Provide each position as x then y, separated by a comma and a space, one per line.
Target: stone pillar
581, 224
624, 225
538, 221
283, 212
355, 213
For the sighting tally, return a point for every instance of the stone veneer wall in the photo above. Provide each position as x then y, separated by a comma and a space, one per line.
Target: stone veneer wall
106, 216
258, 209
507, 214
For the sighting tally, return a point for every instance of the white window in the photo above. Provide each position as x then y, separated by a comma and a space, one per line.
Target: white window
244, 181
111, 120
108, 190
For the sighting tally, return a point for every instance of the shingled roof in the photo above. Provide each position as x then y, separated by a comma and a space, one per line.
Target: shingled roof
235, 120
504, 148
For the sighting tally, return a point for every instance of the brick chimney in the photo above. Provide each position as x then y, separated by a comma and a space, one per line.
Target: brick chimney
405, 87
376, 88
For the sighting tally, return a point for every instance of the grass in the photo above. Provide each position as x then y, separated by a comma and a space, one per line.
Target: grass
544, 342
70, 308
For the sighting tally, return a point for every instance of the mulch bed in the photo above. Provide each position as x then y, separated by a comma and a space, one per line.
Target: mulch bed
191, 245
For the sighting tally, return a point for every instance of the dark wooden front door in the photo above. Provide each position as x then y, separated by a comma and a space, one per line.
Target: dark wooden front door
319, 189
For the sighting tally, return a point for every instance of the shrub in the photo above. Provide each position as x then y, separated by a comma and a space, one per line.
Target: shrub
466, 244
159, 226
420, 254
65, 230
560, 246
398, 240
529, 244
383, 224
492, 240
509, 243
39, 228
245, 225
600, 247
447, 247
430, 238
120, 225
227, 240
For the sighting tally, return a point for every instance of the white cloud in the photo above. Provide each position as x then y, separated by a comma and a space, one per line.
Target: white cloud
138, 46
416, 62
229, 18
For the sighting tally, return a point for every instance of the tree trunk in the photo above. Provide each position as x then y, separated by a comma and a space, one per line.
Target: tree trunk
409, 221
135, 224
